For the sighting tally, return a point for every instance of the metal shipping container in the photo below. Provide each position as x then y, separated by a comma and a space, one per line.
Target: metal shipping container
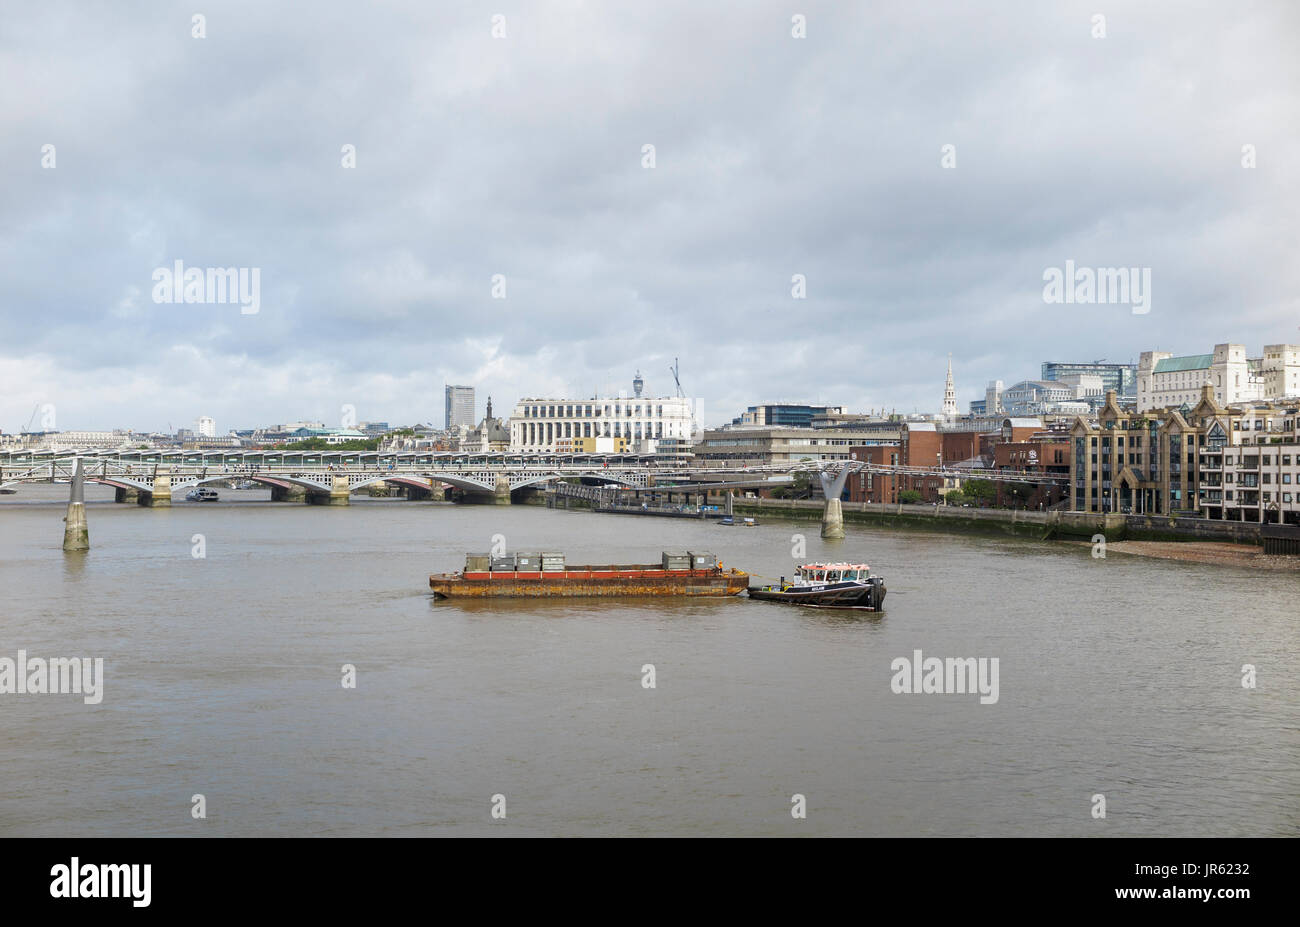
477, 563
552, 561
676, 560
504, 563
702, 561
528, 562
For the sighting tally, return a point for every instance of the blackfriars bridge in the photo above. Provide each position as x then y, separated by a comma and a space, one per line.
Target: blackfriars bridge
149, 476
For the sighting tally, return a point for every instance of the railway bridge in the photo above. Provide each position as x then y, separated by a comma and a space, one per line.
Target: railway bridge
149, 476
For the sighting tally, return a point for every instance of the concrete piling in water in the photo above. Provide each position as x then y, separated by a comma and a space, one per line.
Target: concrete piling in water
833, 519
501, 495
436, 492
832, 489
76, 535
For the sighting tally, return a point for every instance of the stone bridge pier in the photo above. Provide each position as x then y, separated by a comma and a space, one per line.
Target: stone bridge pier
435, 492
288, 494
340, 492
161, 494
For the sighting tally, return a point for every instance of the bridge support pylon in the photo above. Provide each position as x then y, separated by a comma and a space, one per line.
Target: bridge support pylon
122, 494
501, 495
340, 493
161, 494
436, 492
76, 536
288, 494
833, 519
832, 489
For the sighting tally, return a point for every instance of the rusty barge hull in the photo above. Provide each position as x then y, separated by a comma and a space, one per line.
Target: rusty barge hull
590, 582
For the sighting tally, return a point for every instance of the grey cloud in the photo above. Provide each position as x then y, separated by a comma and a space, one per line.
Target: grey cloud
522, 156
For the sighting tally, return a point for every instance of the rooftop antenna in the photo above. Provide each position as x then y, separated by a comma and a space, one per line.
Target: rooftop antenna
676, 369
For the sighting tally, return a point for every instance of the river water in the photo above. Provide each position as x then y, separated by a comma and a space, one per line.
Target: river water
222, 677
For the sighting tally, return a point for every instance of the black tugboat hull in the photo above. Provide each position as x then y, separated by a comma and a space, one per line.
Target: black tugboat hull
867, 597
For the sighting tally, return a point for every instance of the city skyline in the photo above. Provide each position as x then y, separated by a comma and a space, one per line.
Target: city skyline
714, 417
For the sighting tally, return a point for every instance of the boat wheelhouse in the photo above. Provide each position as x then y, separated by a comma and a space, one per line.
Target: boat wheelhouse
833, 572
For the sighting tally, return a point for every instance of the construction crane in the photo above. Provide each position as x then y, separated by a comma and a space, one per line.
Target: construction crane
28, 427
675, 369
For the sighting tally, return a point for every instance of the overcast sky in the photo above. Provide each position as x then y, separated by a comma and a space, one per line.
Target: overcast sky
523, 156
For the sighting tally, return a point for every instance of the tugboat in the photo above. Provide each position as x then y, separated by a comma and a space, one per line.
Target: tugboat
529, 575
828, 585
201, 494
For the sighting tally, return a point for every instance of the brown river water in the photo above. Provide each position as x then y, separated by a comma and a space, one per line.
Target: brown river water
222, 677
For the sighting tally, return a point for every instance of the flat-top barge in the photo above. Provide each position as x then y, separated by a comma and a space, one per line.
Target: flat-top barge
525, 575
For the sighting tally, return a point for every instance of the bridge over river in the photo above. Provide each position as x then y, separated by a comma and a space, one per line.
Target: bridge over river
149, 476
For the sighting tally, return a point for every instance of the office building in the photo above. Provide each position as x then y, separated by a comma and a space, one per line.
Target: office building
459, 407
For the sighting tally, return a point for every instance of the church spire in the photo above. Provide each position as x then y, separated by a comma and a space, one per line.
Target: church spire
949, 394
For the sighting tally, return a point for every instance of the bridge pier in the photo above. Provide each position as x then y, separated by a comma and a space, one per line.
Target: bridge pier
340, 493
832, 489
160, 496
288, 494
122, 494
76, 536
501, 495
833, 519
434, 493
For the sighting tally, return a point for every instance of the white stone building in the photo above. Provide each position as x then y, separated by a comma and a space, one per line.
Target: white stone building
537, 424
77, 440
1165, 380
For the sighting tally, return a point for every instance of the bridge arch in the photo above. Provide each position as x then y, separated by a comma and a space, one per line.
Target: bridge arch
279, 481
118, 482
421, 481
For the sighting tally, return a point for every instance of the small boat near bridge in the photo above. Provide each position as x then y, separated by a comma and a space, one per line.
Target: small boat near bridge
827, 585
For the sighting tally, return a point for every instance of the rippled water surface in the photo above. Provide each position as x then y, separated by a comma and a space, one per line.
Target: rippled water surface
1119, 676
